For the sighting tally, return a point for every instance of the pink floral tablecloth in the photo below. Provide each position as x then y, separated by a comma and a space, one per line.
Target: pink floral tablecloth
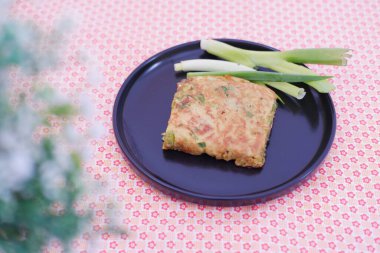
337, 210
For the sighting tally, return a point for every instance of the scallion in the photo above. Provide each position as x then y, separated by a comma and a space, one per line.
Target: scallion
288, 88
263, 76
325, 56
281, 61
219, 65
209, 65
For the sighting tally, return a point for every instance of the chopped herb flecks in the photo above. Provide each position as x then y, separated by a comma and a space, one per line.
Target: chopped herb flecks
201, 98
249, 114
226, 89
202, 144
193, 135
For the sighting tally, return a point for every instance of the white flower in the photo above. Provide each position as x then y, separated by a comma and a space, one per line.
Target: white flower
26, 122
62, 157
8, 140
94, 75
4, 10
97, 130
52, 179
86, 106
16, 167
71, 134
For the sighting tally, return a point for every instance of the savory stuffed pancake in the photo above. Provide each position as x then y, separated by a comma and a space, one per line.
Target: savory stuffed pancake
225, 117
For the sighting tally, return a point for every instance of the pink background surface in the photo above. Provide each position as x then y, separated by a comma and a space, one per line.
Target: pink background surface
337, 210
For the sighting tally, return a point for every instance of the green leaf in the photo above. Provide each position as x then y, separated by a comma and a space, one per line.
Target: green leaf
64, 226
48, 148
62, 110
76, 159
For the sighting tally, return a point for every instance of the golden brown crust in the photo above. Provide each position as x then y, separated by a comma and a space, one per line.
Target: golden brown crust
225, 117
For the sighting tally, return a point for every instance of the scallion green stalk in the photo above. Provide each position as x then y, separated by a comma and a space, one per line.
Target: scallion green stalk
263, 76
280, 61
325, 56
288, 88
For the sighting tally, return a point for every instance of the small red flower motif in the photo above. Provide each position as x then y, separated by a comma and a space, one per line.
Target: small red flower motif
191, 214
153, 228
358, 239
105, 236
264, 230
284, 248
183, 206
329, 230
209, 245
143, 236
255, 221
132, 244
265, 247
313, 244
170, 244
209, 215
151, 244
113, 245
181, 236
310, 228
274, 239
228, 229
237, 237
274, 223
199, 236
228, 216
189, 245
173, 214
227, 245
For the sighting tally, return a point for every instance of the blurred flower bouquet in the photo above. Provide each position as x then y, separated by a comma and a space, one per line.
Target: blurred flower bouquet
40, 165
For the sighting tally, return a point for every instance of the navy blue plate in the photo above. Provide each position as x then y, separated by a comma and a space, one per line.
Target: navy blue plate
301, 137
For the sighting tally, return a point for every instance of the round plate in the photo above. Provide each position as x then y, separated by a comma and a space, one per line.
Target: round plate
302, 134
